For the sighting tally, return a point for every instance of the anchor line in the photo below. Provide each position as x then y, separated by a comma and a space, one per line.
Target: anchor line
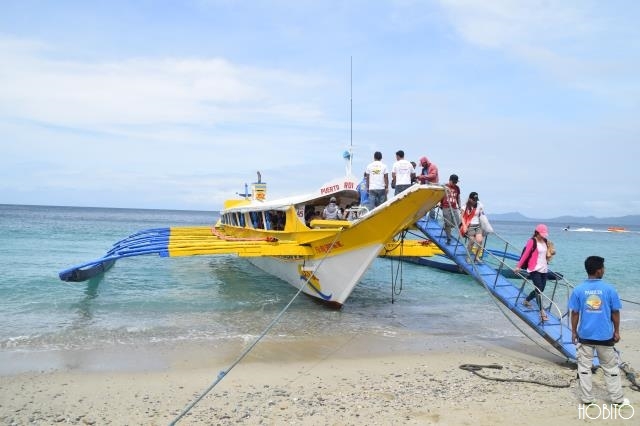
395, 291
628, 371
273, 322
475, 368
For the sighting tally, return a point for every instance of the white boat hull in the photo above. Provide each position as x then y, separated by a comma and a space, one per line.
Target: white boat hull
330, 279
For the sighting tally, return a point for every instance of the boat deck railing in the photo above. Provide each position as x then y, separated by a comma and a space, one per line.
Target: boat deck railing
495, 270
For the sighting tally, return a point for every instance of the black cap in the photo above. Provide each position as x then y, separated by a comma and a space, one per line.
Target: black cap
454, 179
474, 196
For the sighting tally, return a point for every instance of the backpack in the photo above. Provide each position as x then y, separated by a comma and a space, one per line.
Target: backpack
331, 211
526, 260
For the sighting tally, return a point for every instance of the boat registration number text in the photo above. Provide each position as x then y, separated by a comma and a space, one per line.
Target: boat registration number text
324, 248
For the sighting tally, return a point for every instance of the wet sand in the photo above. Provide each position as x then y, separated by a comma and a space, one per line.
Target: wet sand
408, 379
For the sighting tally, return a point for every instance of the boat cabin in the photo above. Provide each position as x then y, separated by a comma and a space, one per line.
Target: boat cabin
295, 213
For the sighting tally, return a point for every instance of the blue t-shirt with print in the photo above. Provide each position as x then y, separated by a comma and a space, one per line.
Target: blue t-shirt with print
595, 299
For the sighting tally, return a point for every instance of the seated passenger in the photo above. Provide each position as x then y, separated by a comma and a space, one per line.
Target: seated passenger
332, 210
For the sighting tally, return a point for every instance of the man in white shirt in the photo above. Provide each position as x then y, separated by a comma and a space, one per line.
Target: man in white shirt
377, 178
402, 173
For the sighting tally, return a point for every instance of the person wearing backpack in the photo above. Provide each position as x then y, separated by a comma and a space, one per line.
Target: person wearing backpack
534, 259
332, 211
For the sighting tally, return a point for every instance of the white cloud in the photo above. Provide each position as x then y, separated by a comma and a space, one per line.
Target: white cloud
558, 37
507, 24
139, 123
110, 95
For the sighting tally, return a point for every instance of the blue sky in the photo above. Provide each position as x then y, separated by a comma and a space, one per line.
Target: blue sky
177, 104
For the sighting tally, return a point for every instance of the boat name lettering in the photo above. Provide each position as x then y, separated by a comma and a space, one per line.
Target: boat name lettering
324, 248
349, 185
330, 189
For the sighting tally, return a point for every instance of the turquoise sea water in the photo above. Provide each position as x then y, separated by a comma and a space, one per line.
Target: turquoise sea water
151, 299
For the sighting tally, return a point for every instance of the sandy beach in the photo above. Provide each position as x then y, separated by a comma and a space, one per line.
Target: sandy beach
350, 380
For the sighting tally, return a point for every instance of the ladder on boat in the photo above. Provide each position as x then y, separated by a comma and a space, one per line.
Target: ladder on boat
495, 271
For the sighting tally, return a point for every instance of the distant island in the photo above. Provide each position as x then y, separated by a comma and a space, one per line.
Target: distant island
631, 220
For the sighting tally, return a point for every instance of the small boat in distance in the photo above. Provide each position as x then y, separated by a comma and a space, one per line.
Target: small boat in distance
286, 238
617, 229
581, 229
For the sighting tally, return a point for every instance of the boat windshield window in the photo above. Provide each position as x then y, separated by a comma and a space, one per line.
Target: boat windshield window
257, 220
276, 219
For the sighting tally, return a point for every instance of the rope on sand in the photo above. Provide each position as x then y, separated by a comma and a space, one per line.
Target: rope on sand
475, 368
630, 375
628, 371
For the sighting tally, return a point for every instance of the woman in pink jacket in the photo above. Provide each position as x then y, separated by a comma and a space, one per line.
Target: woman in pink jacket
534, 258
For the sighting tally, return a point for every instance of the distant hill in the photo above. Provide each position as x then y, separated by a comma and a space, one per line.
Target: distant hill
570, 220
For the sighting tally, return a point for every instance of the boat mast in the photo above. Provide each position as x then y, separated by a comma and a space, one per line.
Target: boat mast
350, 153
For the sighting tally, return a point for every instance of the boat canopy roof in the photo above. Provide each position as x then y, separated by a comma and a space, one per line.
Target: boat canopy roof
332, 188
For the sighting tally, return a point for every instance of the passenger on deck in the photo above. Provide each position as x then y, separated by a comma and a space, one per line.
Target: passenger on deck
450, 205
402, 173
311, 214
362, 190
377, 178
429, 173
414, 179
470, 226
332, 211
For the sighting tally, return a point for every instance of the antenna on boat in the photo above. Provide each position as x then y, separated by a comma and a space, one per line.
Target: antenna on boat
348, 155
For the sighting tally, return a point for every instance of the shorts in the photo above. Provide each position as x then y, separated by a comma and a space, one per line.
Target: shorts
451, 217
473, 230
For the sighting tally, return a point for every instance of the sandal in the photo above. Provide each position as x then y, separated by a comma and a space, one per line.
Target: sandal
526, 303
543, 317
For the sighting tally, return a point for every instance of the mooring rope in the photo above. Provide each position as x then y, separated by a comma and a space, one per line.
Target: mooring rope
399, 269
630, 375
475, 368
223, 373
628, 371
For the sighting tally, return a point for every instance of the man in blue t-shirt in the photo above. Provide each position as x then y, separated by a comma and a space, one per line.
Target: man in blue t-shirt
595, 326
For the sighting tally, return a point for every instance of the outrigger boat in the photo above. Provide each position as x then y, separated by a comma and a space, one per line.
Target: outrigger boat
327, 258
